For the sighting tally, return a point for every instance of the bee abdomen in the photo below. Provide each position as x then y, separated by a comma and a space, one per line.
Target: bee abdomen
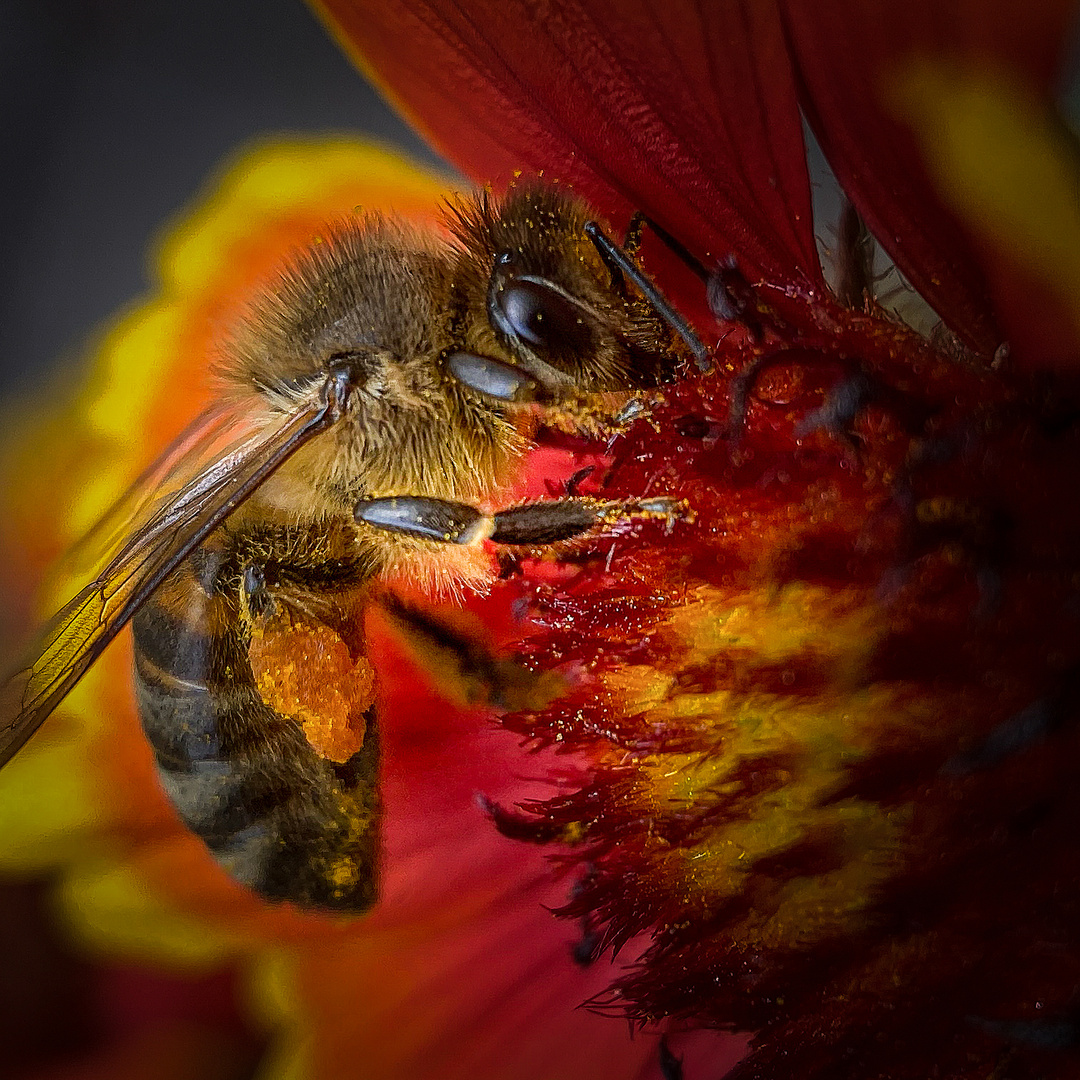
279, 818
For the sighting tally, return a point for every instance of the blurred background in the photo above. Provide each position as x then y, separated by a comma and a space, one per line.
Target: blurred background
113, 114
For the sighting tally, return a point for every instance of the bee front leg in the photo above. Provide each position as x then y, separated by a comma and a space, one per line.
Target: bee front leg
536, 524
531, 525
563, 408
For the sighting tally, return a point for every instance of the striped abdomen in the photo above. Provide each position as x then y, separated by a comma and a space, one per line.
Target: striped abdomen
281, 819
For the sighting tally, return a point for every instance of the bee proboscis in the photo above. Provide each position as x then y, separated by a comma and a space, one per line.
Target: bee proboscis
375, 405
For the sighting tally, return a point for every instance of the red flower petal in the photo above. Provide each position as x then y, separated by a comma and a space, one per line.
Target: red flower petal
461, 971
845, 52
832, 710
686, 115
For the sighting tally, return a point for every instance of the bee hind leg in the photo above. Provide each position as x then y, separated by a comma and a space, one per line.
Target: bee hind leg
256, 594
465, 665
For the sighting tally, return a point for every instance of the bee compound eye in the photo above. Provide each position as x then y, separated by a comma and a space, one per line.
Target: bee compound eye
539, 316
492, 377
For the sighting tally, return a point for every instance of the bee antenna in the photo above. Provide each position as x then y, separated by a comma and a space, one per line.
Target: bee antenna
679, 249
614, 255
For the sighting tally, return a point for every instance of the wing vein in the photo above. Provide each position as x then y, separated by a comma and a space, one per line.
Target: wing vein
204, 484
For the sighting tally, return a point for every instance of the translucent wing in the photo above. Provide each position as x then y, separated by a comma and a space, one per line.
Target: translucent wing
206, 439
205, 479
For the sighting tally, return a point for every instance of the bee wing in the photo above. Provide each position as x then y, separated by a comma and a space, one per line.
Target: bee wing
208, 483
196, 447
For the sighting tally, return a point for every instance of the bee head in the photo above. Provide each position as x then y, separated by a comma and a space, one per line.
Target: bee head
369, 294
535, 292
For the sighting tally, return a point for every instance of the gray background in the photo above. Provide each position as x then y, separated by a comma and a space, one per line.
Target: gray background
112, 115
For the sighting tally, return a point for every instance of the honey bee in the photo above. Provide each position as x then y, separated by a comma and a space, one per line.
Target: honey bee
374, 406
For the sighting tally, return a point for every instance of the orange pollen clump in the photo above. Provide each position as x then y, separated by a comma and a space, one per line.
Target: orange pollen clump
304, 670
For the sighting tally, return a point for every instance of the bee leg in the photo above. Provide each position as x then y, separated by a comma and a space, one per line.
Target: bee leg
232, 653
424, 518
631, 245
508, 384
537, 524
496, 379
256, 593
635, 232
466, 666
531, 525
